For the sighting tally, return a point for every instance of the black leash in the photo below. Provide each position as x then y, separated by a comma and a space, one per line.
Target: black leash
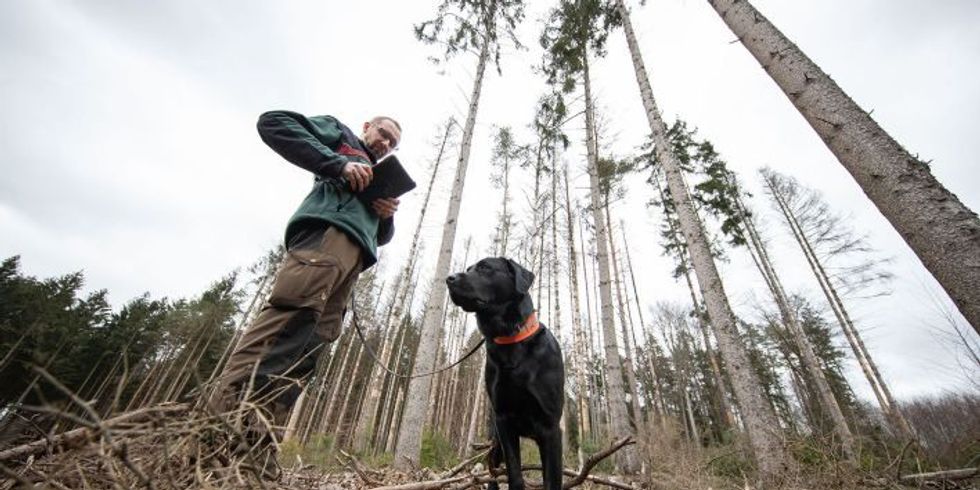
360, 334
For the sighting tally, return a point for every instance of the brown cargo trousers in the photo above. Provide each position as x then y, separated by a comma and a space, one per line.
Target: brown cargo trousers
304, 311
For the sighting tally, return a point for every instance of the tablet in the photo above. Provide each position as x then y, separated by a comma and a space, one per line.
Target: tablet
390, 180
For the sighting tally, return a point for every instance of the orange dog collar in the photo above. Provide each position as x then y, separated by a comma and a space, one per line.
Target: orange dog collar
528, 329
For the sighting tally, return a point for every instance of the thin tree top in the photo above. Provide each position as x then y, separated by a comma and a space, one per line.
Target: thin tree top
549, 117
575, 27
464, 26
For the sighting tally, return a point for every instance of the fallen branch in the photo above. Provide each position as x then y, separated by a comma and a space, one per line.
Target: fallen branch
595, 459
898, 461
24, 483
353, 464
484, 478
468, 481
602, 481
950, 475
80, 435
465, 463
47, 479
426, 485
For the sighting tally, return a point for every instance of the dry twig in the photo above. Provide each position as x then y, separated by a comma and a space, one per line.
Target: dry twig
468, 481
468, 461
948, 475
84, 434
355, 465
595, 459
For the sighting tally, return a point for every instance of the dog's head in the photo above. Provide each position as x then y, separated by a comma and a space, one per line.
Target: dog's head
494, 286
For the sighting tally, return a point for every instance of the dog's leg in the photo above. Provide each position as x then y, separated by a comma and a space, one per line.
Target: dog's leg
510, 442
495, 457
549, 446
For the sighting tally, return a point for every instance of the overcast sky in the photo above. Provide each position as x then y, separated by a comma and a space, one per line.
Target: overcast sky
128, 148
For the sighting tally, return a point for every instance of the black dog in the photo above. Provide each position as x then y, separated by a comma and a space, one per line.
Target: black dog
525, 374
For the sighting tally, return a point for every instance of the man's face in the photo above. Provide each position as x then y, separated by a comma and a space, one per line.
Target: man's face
381, 137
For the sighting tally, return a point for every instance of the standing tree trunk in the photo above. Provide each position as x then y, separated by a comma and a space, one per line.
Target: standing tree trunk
868, 366
342, 377
761, 423
651, 362
941, 230
409, 446
626, 459
393, 394
623, 324
809, 358
397, 302
480, 398
579, 351
674, 236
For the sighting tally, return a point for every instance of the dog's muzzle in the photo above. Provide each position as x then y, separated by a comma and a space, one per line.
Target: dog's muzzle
456, 287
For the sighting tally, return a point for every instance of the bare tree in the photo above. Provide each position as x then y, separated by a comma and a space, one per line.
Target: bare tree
760, 256
506, 152
367, 417
475, 25
793, 202
941, 230
761, 424
576, 28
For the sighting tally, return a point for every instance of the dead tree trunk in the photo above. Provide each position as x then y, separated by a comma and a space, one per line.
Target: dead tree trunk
940, 229
761, 423
397, 306
760, 256
868, 366
627, 460
623, 325
409, 445
579, 352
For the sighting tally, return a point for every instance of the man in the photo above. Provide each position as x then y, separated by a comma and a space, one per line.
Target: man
330, 239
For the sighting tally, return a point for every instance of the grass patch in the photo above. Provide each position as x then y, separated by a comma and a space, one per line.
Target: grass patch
437, 452
319, 451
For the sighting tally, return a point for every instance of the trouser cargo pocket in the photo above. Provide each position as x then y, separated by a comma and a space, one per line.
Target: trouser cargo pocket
306, 280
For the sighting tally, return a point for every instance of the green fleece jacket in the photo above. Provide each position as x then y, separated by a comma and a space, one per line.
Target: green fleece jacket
323, 145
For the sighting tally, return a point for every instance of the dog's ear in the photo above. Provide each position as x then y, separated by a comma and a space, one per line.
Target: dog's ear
523, 278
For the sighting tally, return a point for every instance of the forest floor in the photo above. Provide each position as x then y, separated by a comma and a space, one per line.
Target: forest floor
176, 447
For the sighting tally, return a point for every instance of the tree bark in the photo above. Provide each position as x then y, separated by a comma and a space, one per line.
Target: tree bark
940, 229
625, 461
377, 375
809, 358
409, 446
868, 366
623, 325
580, 353
761, 424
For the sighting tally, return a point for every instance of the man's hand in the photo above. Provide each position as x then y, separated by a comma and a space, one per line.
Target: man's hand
385, 207
358, 174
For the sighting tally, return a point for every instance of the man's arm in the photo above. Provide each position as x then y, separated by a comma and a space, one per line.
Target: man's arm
301, 143
386, 230
385, 209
